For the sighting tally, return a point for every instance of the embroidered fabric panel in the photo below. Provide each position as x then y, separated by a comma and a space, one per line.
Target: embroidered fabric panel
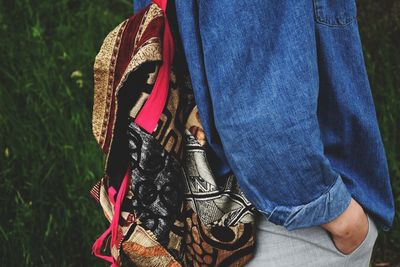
171, 125
155, 184
214, 245
219, 219
131, 44
218, 201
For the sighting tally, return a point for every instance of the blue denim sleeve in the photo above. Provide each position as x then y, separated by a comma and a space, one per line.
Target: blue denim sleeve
256, 63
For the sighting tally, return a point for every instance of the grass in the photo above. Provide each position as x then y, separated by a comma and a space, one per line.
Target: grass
48, 157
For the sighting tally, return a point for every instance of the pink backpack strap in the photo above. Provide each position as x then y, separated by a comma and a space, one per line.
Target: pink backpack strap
113, 229
151, 111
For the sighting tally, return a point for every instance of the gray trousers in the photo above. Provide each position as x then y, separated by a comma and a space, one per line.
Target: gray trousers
309, 247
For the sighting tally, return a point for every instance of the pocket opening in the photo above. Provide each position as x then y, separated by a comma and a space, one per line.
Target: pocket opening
361, 245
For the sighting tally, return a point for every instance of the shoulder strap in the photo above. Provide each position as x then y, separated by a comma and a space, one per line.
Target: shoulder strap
150, 113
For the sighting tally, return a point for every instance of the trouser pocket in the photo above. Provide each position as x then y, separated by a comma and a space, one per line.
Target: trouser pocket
366, 245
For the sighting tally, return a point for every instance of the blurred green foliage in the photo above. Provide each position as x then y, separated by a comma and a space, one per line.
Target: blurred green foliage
48, 157
379, 24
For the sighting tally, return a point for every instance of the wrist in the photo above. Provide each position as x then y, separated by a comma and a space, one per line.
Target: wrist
343, 225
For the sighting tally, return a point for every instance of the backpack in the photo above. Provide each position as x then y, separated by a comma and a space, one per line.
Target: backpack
163, 202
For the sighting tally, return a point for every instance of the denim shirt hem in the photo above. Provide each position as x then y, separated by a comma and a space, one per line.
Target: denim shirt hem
321, 210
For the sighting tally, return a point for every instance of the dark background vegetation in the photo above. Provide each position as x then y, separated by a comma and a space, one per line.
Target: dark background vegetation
48, 157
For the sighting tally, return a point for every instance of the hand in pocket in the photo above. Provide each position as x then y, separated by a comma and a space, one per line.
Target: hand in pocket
349, 230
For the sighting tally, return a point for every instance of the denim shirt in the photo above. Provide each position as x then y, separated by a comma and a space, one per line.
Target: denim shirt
285, 102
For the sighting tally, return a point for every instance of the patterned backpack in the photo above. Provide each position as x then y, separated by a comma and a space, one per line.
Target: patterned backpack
163, 202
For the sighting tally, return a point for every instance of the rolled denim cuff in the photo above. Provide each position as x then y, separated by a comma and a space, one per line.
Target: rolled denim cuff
321, 210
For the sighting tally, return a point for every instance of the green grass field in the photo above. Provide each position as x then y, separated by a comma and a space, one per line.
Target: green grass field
48, 156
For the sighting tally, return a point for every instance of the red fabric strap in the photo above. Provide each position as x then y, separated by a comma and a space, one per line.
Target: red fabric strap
150, 113
113, 228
